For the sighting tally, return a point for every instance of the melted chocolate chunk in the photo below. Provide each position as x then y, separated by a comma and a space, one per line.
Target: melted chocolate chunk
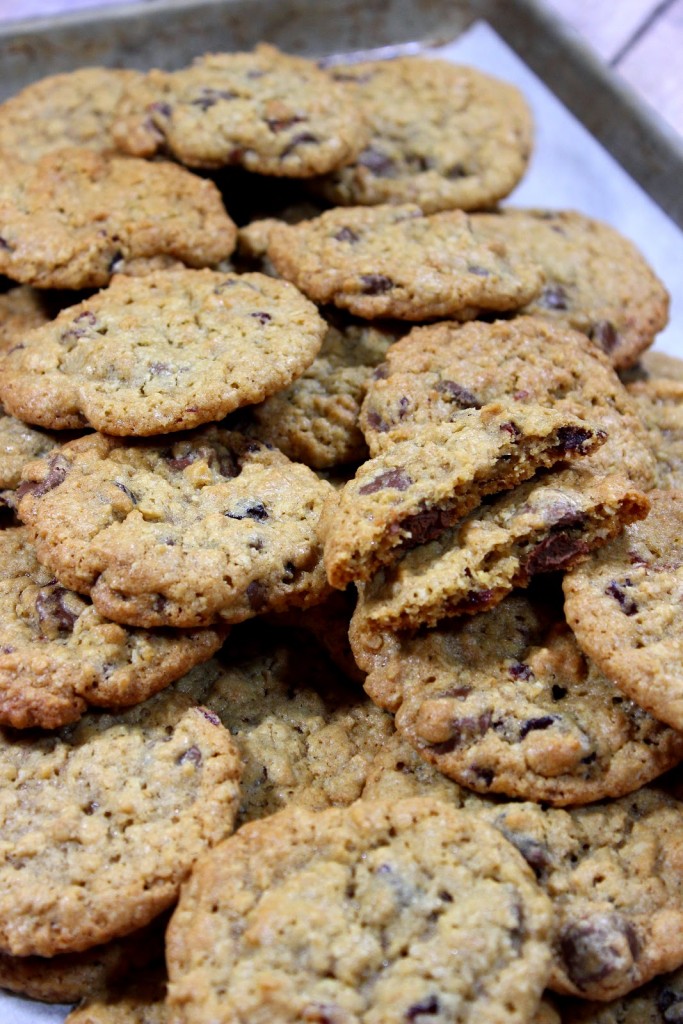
394, 479
456, 393
346, 235
627, 604
605, 334
553, 297
535, 854
519, 670
379, 164
425, 1008
192, 754
544, 722
58, 467
558, 551
377, 423
597, 947
512, 429
572, 439
256, 511
257, 595
464, 730
425, 526
375, 284
53, 612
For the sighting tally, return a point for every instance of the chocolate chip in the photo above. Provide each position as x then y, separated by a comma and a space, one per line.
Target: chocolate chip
376, 422
58, 467
519, 670
53, 612
91, 807
627, 604
192, 754
559, 692
553, 297
670, 1006
464, 730
126, 490
278, 124
557, 551
456, 171
485, 775
256, 511
263, 318
209, 97
391, 479
379, 164
210, 716
425, 526
163, 109
257, 595
456, 393
375, 284
299, 140
605, 334
4, 244
479, 271
381, 372
346, 235
476, 600
159, 604
531, 724
593, 949
425, 1008
572, 439
512, 429
535, 854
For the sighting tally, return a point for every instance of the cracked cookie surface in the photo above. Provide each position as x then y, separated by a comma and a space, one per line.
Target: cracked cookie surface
209, 527
267, 111
74, 218
356, 914
441, 135
168, 351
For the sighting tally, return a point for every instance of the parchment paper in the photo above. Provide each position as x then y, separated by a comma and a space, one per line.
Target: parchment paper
569, 170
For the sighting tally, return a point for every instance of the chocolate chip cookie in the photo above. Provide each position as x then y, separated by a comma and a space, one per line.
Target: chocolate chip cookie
58, 655
72, 109
624, 606
443, 136
376, 912
267, 111
74, 218
596, 280
164, 352
436, 372
506, 702
208, 527
393, 261
102, 821
413, 491
660, 403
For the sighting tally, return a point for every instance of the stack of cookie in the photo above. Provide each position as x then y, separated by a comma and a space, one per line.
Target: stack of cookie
393, 424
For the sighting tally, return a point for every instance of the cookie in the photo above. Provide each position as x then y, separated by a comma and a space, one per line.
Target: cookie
506, 702
19, 444
596, 280
393, 261
58, 656
548, 524
660, 403
209, 527
68, 977
138, 1000
90, 851
21, 309
435, 372
623, 604
413, 491
266, 111
72, 109
613, 872
376, 912
306, 735
659, 1002
164, 352
74, 218
443, 136
315, 419
657, 365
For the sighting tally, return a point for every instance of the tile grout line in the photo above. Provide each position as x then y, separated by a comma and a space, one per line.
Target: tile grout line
646, 25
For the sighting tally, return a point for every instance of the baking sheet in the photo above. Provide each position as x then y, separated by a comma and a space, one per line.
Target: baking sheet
569, 170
